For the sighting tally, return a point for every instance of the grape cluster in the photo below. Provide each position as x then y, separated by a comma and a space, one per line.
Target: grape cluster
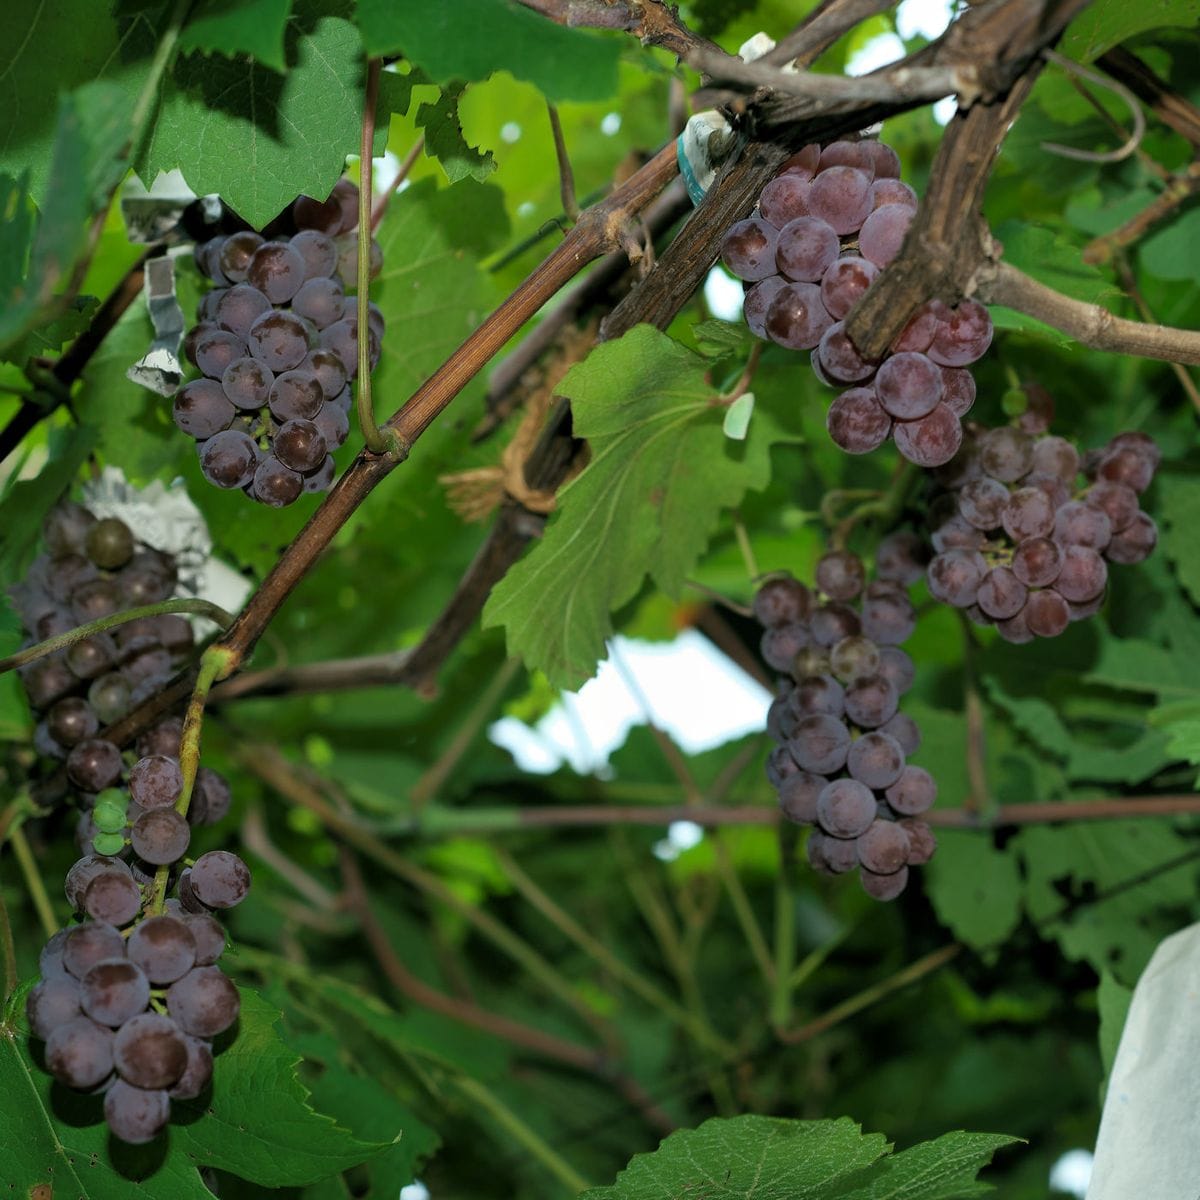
91, 569
276, 345
130, 1000
1023, 543
822, 231
842, 743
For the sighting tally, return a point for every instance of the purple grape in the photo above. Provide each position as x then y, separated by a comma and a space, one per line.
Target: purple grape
300, 445
277, 270
246, 383
321, 480
1045, 613
954, 577
1029, 513
922, 843
150, 1051
296, 396
71, 720
112, 897
901, 556
905, 730
1001, 594
830, 855
160, 836
843, 285
883, 233
240, 307
228, 459
1127, 465
784, 199
236, 253
913, 792
275, 484
895, 664
857, 422
889, 191
321, 300
328, 369
883, 848
854, 658
208, 936
748, 250
849, 154
982, 502
94, 764
755, 304
1056, 456
1117, 502
796, 317
279, 340
806, 162
197, 1073
883, 887
875, 760
52, 1003
220, 879
962, 336
216, 349
1134, 543
908, 386
113, 991
807, 248
820, 744
958, 390
845, 808
831, 622
840, 359
1083, 575
334, 426
931, 440
204, 1002
201, 408
1006, 453
318, 251
840, 575
871, 701
136, 1115
79, 1053
841, 195
817, 694
888, 620
1037, 562
798, 796
781, 601
347, 265
342, 339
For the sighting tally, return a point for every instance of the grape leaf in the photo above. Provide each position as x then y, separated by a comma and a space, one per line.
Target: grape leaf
362, 1104
253, 27
749, 1156
258, 1122
29, 500
660, 474
1179, 505
469, 39
974, 888
257, 137
1135, 867
444, 139
944, 1169
1107, 22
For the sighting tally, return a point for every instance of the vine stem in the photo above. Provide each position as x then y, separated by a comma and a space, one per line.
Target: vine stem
199, 608
215, 663
605, 958
521, 1133
33, 880
377, 441
8, 950
401, 175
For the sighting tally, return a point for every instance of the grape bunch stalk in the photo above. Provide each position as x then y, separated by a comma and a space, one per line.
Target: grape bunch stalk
276, 345
840, 762
1027, 530
822, 231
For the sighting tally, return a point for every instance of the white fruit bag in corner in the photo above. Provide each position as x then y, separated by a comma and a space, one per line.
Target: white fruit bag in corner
1148, 1147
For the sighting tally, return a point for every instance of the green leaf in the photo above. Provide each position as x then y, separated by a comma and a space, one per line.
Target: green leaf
258, 138
1134, 867
28, 502
661, 472
1171, 252
944, 1169
1105, 23
253, 27
469, 39
362, 1104
743, 1157
974, 888
1179, 507
258, 1122
49, 339
444, 139
1052, 259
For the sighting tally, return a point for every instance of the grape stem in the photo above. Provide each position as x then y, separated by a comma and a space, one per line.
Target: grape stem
8, 951
886, 506
215, 663
380, 442
566, 176
199, 608
33, 879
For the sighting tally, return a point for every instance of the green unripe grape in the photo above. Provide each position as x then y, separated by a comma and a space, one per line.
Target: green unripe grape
110, 543
109, 818
108, 843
